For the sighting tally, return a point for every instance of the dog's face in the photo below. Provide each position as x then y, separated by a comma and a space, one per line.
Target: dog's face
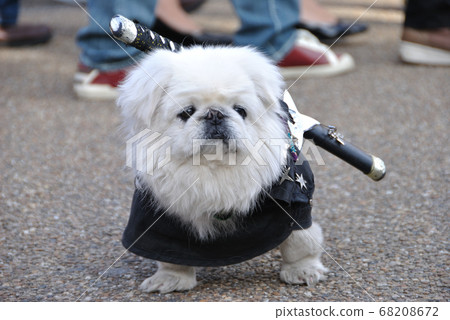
205, 99
217, 94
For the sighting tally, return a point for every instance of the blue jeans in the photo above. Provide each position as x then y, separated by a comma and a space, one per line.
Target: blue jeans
98, 50
268, 25
9, 10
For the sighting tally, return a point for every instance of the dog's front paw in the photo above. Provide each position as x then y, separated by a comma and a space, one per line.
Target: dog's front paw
168, 281
309, 271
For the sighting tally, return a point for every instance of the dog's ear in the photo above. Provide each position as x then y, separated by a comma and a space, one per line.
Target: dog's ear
141, 92
268, 81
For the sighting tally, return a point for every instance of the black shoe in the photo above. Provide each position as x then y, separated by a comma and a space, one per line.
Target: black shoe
24, 35
332, 32
187, 40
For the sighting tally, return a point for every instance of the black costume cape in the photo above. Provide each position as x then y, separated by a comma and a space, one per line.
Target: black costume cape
263, 229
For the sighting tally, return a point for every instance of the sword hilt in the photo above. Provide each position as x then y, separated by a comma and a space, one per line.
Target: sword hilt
139, 36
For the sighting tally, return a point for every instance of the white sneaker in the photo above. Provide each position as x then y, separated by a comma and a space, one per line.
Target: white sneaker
430, 47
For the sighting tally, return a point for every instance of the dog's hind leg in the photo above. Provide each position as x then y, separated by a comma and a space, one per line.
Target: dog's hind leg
301, 253
170, 277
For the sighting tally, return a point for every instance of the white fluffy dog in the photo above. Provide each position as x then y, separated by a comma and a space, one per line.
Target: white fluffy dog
220, 168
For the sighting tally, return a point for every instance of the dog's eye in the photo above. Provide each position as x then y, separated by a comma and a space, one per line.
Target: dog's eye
186, 113
239, 109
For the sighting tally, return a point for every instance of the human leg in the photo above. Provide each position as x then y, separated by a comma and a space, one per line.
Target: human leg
9, 11
174, 22
430, 14
268, 25
12, 34
324, 24
103, 61
426, 33
98, 50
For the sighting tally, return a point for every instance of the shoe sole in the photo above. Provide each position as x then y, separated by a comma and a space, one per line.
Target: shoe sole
26, 43
88, 91
80, 77
419, 54
345, 64
97, 92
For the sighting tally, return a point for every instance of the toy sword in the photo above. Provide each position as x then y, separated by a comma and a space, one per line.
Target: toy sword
302, 126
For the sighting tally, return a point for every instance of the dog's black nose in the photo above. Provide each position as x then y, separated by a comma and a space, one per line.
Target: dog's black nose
214, 115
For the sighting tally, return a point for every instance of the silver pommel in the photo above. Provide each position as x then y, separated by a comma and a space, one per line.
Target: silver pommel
123, 29
378, 170
136, 35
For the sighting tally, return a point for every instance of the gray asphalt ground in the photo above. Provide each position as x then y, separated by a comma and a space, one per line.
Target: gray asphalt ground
65, 192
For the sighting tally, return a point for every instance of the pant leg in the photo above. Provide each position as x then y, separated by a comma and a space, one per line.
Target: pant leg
9, 11
268, 25
98, 50
427, 14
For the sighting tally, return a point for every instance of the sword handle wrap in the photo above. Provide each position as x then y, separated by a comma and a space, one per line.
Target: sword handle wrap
327, 139
139, 36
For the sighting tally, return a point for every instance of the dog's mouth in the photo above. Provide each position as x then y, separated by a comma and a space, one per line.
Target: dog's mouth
217, 135
216, 145
215, 126
217, 132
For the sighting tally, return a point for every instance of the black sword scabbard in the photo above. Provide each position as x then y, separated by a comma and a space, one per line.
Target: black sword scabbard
328, 139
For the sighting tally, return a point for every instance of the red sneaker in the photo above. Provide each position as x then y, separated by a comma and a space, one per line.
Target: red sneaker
310, 58
93, 84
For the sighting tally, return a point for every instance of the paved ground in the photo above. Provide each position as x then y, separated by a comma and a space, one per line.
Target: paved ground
65, 192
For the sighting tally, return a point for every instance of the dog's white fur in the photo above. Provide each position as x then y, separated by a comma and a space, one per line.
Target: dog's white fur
155, 93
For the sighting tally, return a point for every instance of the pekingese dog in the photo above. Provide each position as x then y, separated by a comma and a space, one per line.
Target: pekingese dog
221, 182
